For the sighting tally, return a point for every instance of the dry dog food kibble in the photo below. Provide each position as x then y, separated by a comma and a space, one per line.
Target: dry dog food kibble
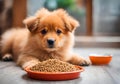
53, 65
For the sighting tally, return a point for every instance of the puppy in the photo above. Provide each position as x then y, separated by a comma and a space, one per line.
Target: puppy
48, 35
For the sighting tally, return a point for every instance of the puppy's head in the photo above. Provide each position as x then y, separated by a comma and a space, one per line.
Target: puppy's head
51, 29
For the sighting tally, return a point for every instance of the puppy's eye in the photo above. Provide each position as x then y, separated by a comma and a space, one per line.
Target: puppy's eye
59, 31
44, 31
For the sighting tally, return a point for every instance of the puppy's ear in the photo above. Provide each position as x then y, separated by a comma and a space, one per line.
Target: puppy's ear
70, 23
31, 23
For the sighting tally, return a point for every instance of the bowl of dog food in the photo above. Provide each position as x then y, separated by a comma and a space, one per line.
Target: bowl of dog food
100, 59
54, 69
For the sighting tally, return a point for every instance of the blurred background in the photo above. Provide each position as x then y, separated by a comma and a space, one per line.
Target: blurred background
99, 19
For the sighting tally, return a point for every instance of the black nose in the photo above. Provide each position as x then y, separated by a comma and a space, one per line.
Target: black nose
50, 41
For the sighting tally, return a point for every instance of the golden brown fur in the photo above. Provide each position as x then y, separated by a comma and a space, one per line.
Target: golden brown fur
29, 46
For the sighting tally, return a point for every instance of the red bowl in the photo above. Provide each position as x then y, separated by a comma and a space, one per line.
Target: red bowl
54, 75
100, 59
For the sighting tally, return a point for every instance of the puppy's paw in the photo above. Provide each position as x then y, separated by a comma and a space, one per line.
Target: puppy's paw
29, 64
84, 62
7, 57
77, 60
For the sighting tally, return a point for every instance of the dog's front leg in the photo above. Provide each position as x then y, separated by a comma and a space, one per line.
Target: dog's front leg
27, 61
77, 60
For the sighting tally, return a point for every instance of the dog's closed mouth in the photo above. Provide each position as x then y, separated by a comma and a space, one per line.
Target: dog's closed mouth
51, 46
51, 49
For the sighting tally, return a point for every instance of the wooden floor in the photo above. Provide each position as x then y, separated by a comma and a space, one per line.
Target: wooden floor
105, 74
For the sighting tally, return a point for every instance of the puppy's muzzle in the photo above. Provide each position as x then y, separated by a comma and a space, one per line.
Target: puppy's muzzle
51, 42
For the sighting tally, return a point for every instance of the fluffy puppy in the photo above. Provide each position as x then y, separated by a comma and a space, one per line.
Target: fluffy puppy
48, 35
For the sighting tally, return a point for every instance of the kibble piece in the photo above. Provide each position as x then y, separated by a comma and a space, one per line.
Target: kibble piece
53, 65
